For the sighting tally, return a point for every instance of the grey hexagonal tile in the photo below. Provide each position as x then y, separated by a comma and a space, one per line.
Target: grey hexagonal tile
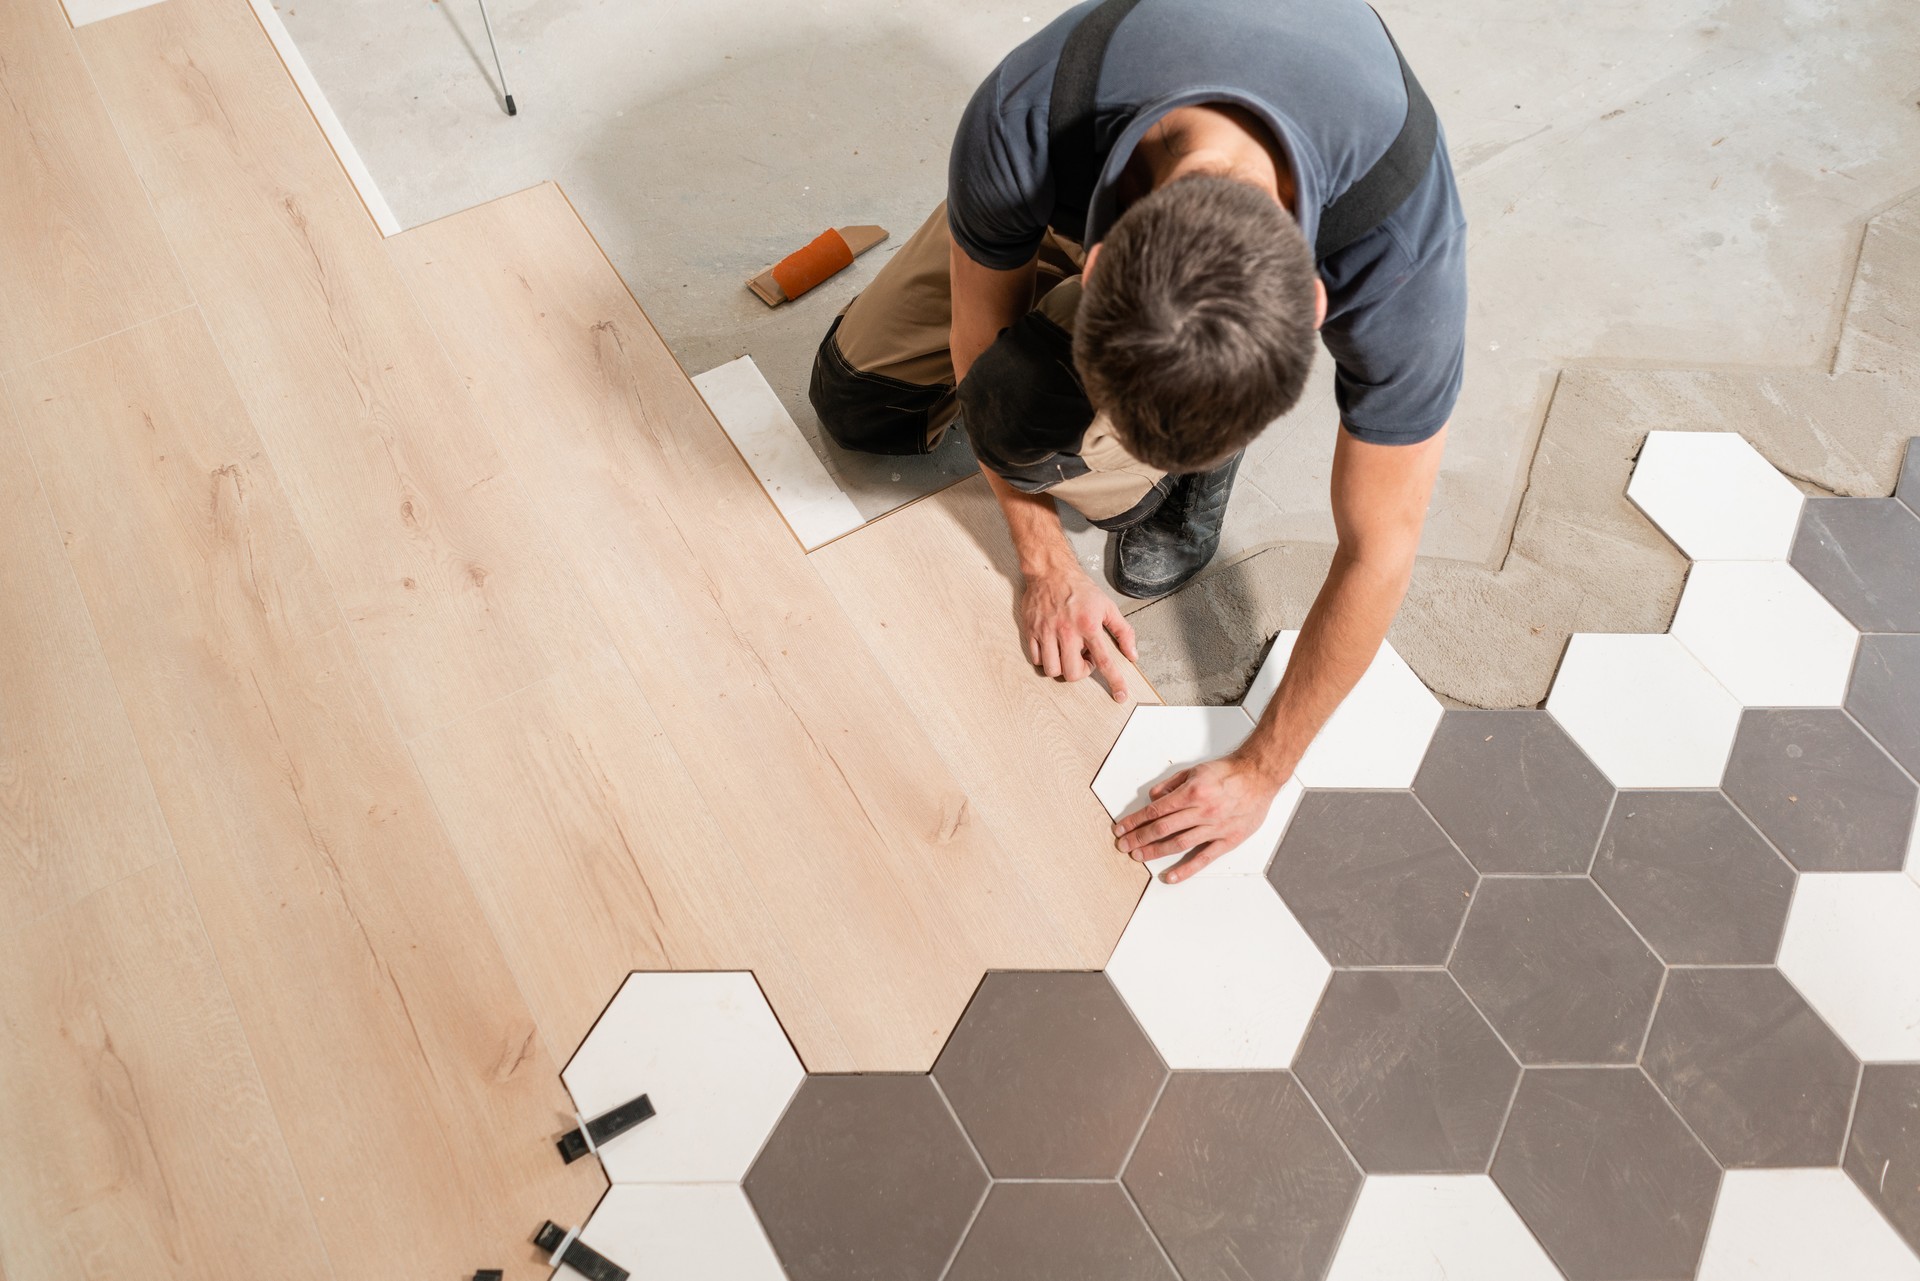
1059, 1232
1606, 1174
1407, 1071
1885, 695
1821, 790
1556, 970
1050, 1075
1514, 792
1372, 878
1749, 1065
866, 1178
1694, 877
1862, 554
1883, 1149
1239, 1177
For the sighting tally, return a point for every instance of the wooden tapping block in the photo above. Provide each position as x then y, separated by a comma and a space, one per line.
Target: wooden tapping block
831, 251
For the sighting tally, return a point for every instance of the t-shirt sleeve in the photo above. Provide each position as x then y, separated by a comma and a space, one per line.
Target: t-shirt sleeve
999, 194
1399, 343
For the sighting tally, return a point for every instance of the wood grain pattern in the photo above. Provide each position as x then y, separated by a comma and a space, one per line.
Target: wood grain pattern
934, 589
76, 809
891, 893
83, 256
446, 573
415, 1094
594, 854
139, 1141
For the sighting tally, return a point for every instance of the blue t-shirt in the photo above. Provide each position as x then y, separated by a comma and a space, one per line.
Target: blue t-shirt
1322, 76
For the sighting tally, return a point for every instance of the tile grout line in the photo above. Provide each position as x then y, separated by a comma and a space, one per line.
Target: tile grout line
985, 1169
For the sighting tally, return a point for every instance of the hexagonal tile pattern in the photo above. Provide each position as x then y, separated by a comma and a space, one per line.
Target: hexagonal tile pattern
1749, 1065
1862, 553
1437, 1228
1645, 710
1373, 879
1606, 1174
1059, 1232
1219, 973
1715, 496
1883, 1148
867, 1178
1514, 792
708, 1052
1766, 634
1821, 790
1239, 1177
1050, 1076
1375, 738
1159, 742
1885, 695
1694, 877
1852, 947
1559, 974
682, 1230
1407, 1072
1789, 1225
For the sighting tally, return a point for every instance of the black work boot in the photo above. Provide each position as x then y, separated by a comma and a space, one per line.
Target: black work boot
1162, 552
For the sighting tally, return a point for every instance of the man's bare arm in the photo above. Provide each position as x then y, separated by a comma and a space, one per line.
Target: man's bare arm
1066, 620
1380, 495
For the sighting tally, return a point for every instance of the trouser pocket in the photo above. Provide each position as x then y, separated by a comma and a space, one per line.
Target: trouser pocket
873, 413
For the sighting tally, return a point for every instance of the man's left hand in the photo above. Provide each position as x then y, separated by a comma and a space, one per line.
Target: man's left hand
1206, 810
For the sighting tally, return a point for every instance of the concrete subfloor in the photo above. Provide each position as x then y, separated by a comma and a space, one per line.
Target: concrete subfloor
1651, 187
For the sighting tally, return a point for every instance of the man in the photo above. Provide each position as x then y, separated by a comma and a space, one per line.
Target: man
1241, 174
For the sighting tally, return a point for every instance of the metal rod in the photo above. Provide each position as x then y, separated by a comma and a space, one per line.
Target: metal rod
498, 69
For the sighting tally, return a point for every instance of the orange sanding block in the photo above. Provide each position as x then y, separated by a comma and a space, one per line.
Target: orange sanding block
801, 270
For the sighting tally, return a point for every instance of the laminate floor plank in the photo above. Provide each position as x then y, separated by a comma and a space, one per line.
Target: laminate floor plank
76, 809
139, 1139
417, 1098
891, 893
445, 571
594, 854
80, 253
933, 588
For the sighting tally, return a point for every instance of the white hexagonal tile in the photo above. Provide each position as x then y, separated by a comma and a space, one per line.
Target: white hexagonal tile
1715, 496
1645, 710
1766, 634
1159, 742
682, 1230
1791, 1225
1377, 737
1852, 947
1219, 973
708, 1052
1422, 1227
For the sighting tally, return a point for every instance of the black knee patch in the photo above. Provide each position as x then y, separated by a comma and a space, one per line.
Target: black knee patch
872, 413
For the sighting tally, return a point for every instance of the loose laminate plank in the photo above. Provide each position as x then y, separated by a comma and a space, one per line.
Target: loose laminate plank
595, 856
76, 809
80, 253
934, 588
883, 881
417, 1099
446, 572
139, 1141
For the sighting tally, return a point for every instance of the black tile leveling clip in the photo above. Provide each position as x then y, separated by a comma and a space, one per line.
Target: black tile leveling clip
575, 1144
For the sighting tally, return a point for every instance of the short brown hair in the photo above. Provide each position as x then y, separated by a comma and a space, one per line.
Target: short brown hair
1196, 329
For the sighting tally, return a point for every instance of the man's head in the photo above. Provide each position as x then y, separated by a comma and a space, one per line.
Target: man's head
1197, 327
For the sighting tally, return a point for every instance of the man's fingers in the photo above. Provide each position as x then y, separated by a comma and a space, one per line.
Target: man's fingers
1049, 655
1160, 829
1073, 658
1122, 632
1197, 858
1033, 650
1178, 843
1169, 783
1109, 667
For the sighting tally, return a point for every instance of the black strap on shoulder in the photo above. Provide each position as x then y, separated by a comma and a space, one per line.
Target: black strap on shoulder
1071, 148
1393, 177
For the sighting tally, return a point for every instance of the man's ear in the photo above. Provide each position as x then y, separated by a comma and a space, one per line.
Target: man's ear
1319, 302
1086, 268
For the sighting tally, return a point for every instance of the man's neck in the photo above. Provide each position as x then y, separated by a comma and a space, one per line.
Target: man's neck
1220, 139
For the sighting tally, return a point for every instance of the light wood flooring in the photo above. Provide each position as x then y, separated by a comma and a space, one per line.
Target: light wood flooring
394, 654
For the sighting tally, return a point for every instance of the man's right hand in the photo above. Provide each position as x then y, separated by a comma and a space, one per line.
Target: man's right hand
1072, 628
